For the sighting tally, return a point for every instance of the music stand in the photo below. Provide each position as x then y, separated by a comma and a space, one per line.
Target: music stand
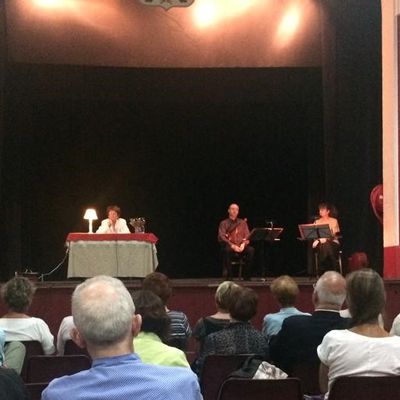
315, 231
264, 235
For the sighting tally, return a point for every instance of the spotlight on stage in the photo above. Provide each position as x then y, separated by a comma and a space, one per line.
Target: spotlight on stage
90, 215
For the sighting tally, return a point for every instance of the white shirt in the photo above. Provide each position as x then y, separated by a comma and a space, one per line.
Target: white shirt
20, 329
64, 333
347, 353
119, 227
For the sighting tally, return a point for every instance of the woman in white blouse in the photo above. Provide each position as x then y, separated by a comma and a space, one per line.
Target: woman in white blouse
113, 223
17, 294
366, 349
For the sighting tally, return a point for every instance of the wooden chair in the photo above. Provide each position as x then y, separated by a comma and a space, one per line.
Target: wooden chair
260, 389
215, 371
308, 373
35, 390
365, 388
47, 368
71, 348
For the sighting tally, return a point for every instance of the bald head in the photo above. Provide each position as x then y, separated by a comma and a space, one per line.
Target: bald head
102, 309
330, 291
233, 211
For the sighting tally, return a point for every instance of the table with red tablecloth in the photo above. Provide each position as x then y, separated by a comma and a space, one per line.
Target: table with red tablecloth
114, 254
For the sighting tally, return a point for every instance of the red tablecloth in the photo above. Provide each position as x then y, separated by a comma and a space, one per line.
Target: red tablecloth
99, 237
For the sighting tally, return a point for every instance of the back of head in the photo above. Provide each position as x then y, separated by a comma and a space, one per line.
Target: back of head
102, 309
365, 295
17, 293
244, 303
159, 284
154, 317
223, 295
330, 290
285, 290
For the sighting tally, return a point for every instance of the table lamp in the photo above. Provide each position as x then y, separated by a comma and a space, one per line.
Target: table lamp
90, 215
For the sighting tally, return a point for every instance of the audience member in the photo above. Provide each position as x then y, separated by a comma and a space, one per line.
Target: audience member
180, 331
366, 349
240, 337
285, 291
150, 342
17, 294
105, 320
395, 330
11, 386
301, 334
220, 319
64, 333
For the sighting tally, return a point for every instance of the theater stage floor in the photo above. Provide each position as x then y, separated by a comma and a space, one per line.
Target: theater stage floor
195, 297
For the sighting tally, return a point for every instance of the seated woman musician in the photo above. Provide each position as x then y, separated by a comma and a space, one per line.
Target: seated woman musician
327, 248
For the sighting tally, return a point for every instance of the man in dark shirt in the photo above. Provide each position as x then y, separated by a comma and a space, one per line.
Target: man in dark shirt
297, 342
233, 235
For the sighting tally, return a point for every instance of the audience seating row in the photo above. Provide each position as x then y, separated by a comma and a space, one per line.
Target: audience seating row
216, 384
344, 388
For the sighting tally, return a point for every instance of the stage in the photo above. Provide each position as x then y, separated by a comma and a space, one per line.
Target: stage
195, 297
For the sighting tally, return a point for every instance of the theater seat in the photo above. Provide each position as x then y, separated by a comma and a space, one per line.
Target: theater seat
32, 348
260, 389
47, 368
71, 348
35, 390
216, 370
365, 388
308, 373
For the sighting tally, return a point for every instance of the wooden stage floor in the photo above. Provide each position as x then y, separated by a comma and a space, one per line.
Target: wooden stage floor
195, 297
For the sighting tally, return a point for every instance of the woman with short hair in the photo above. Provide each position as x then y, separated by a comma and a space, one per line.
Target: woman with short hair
221, 318
366, 349
180, 330
285, 291
240, 337
17, 294
150, 344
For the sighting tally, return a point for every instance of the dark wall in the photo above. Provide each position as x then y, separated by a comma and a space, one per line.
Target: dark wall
177, 149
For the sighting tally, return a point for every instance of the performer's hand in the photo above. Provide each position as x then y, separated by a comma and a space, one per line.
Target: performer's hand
235, 248
322, 240
242, 246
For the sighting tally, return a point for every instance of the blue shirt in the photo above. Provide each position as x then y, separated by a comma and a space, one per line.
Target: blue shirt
272, 323
125, 378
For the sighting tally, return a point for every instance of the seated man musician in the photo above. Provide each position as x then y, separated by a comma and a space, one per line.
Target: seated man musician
232, 235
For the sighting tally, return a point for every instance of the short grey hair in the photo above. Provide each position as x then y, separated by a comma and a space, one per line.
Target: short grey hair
102, 309
331, 288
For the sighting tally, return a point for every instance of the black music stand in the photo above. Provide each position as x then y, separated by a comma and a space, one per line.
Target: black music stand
315, 231
264, 235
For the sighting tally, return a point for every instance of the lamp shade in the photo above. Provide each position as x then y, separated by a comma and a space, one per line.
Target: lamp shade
90, 214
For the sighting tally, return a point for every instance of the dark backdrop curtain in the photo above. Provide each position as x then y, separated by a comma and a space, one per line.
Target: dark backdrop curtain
351, 54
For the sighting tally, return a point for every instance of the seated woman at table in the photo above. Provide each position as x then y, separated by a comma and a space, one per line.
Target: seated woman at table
17, 294
113, 223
